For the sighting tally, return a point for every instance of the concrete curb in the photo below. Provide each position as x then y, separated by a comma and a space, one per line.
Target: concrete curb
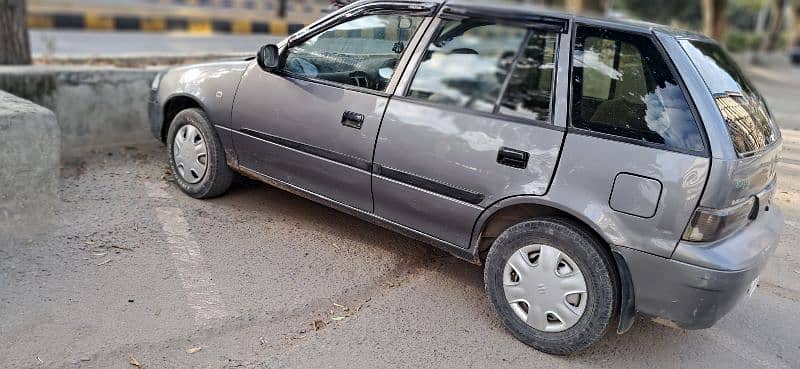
96, 107
29, 157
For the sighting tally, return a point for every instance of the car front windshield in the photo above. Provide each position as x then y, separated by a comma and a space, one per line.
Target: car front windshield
749, 122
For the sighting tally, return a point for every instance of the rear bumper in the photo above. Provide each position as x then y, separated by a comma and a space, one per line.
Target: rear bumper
696, 296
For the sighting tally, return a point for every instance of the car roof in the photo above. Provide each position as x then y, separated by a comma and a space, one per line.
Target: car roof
521, 10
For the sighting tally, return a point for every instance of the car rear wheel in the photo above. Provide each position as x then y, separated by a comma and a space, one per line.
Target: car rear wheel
552, 284
196, 156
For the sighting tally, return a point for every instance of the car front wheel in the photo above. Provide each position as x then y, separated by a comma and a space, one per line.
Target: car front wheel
196, 156
552, 284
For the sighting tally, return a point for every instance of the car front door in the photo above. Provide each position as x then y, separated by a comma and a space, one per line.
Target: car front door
476, 123
313, 124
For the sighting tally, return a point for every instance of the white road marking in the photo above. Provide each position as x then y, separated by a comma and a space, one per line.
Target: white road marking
201, 292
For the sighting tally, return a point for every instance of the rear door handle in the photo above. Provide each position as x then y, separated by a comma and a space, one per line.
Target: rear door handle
352, 119
513, 158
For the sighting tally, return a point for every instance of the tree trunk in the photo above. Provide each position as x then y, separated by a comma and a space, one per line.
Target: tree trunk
14, 44
775, 25
282, 8
594, 6
796, 26
714, 20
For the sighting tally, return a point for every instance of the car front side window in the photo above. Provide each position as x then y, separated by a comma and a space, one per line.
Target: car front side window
362, 52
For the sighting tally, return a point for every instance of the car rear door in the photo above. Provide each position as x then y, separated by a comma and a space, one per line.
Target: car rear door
313, 124
473, 122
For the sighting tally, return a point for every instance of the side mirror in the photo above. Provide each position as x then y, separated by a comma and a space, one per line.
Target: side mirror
269, 58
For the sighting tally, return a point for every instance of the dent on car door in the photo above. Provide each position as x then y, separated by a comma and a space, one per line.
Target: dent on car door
314, 123
475, 126
635, 161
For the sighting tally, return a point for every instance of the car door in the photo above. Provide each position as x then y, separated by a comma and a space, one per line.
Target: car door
313, 124
474, 123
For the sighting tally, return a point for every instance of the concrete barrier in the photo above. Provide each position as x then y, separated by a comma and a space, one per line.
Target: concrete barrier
97, 107
29, 158
139, 61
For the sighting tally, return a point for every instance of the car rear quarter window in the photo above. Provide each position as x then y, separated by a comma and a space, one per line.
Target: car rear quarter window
622, 86
744, 110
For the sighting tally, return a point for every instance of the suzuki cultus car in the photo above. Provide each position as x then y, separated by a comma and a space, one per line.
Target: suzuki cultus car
596, 168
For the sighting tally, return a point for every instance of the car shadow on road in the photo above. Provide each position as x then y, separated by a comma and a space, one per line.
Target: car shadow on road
250, 195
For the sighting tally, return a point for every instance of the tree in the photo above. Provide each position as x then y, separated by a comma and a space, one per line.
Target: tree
714, 20
687, 13
596, 6
775, 25
796, 27
14, 44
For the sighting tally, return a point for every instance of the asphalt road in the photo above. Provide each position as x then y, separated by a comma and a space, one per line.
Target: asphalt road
259, 278
91, 44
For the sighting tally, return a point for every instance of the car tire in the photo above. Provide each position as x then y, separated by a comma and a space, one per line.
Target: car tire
205, 178
534, 243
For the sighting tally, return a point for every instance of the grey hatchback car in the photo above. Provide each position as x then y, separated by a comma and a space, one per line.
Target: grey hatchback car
596, 168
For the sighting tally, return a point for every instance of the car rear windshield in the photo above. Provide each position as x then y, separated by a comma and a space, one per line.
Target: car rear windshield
750, 125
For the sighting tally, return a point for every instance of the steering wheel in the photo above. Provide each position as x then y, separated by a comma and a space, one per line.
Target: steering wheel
361, 79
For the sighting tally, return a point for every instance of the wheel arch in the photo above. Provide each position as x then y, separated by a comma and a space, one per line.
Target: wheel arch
175, 104
507, 212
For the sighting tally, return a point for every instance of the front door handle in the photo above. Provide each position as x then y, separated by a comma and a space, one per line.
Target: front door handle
352, 119
513, 158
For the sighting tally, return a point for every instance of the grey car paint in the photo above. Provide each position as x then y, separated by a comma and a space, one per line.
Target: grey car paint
277, 114
635, 195
464, 147
211, 86
704, 282
749, 175
586, 175
694, 285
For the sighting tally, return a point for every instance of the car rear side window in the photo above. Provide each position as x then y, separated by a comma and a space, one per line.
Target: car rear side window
467, 64
622, 86
530, 87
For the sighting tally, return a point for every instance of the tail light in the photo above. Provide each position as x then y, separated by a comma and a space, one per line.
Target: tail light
709, 225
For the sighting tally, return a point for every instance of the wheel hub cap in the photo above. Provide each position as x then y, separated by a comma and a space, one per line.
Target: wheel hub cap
545, 288
190, 154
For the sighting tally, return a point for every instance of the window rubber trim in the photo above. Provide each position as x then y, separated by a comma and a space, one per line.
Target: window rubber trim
503, 16
423, 9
